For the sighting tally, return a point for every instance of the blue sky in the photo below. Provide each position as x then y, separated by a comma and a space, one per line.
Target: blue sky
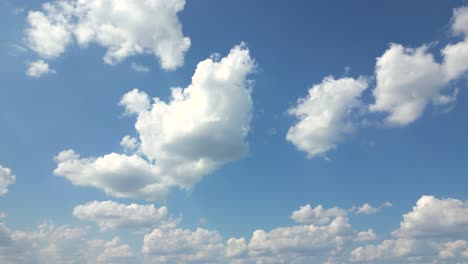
331, 104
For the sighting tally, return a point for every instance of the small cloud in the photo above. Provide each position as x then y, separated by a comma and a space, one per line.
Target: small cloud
139, 67
369, 209
38, 68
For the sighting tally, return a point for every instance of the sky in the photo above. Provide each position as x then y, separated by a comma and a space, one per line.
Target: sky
174, 131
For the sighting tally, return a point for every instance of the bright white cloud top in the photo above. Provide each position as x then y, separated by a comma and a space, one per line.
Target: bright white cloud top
38, 68
326, 114
112, 215
124, 28
202, 127
318, 215
408, 80
432, 217
6, 179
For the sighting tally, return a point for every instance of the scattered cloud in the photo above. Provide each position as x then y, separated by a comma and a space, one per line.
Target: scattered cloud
318, 215
183, 246
139, 67
6, 179
408, 80
433, 217
59, 244
405, 96
326, 115
38, 68
202, 127
365, 236
369, 209
112, 215
124, 28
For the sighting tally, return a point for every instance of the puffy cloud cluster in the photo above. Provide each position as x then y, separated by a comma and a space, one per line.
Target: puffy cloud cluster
432, 217
318, 215
408, 80
38, 68
430, 232
124, 28
332, 241
183, 246
365, 236
59, 244
201, 128
112, 215
301, 241
6, 179
326, 114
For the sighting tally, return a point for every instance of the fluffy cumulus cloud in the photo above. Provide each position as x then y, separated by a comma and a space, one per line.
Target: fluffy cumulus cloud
300, 242
326, 114
112, 215
6, 179
202, 127
407, 81
433, 217
395, 251
124, 28
460, 21
430, 233
318, 215
117, 174
38, 68
365, 236
59, 244
116, 252
183, 246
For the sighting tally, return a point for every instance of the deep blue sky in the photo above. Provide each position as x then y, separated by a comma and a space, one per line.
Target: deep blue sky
295, 45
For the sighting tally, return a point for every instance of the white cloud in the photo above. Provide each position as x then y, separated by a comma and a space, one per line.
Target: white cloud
203, 127
116, 252
236, 247
407, 81
135, 102
432, 217
365, 236
326, 114
452, 249
460, 21
6, 179
300, 241
139, 67
117, 174
125, 28
395, 251
317, 215
51, 244
112, 215
183, 246
129, 144
455, 58
38, 68
369, 209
